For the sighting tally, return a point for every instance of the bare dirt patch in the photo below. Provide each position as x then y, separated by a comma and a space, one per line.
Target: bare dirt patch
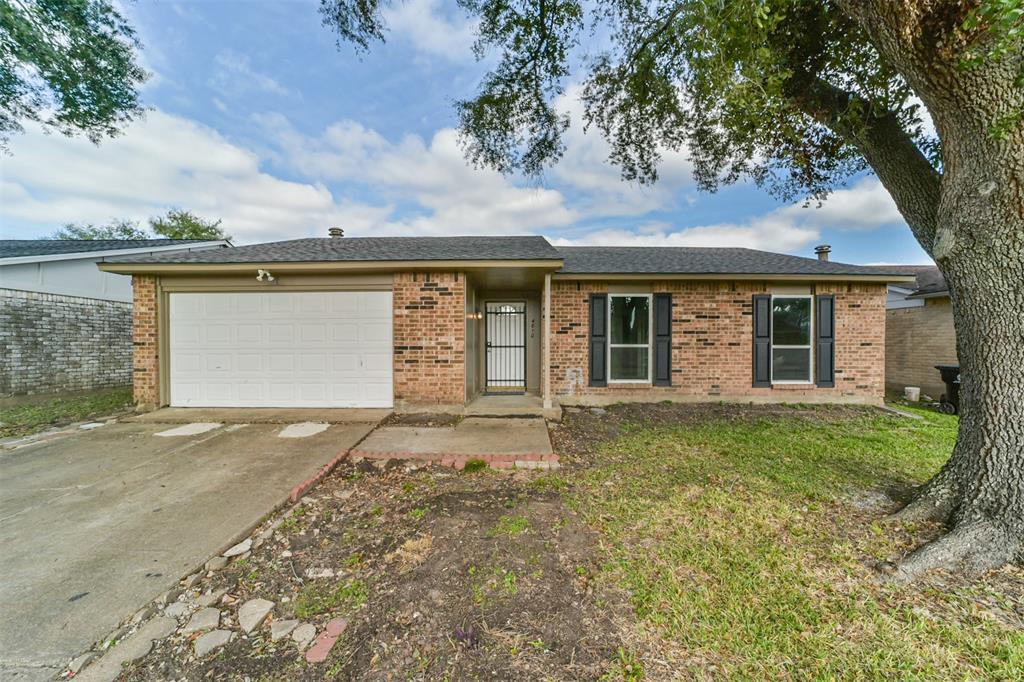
441, 575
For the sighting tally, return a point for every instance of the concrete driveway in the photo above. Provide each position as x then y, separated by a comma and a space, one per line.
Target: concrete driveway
95, 525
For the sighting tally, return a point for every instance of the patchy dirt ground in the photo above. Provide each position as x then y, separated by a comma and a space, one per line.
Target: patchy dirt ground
440, 574
444, 575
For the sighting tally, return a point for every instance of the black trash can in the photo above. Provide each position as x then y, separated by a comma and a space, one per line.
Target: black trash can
950, 400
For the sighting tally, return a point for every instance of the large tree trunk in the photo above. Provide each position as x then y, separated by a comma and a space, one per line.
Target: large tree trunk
979, 493
977, 239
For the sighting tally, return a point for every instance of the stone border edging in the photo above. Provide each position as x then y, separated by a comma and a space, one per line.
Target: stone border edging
524, 460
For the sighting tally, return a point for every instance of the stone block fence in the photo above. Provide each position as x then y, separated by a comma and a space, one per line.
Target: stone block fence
51, 343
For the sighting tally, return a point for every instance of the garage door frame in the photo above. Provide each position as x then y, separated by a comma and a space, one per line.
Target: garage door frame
165, 286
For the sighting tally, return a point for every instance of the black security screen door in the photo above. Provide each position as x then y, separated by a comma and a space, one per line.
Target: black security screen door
506, 347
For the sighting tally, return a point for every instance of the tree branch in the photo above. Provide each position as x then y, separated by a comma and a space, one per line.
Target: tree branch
904, 171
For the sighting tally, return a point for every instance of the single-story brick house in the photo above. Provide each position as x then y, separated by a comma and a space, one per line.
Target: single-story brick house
449, 321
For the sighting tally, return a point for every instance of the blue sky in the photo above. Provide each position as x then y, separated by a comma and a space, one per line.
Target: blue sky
258, 118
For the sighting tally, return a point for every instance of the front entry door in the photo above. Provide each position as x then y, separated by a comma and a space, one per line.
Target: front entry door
506, 347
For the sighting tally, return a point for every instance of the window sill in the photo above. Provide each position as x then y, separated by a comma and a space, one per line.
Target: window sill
792, 385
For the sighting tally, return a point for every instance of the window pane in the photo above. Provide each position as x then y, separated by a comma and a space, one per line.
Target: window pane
791, 364
629, 364
791, 321
629, 319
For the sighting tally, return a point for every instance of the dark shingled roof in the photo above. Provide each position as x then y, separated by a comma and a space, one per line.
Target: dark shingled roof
930, 282
688, 260
590, 260
929, 279
368, 249
17, 248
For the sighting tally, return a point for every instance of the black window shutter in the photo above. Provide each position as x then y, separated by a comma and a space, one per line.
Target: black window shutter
662, 340
825, 348
762, 340
598, 339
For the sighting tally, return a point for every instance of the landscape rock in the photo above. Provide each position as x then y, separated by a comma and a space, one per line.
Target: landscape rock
304, 634
253, 612
143, 613
85, 659
321, 648
131, 648
211, 598
191, 581
239, 549
279, 629
176, 610
204, 619
216, 563
212, 641
314, 573
169, 597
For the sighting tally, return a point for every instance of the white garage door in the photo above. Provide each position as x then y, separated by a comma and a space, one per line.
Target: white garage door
309, 349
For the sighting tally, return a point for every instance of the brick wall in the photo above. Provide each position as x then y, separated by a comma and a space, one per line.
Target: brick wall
711, 343
917, 339
430, 337
51, 343
146, 360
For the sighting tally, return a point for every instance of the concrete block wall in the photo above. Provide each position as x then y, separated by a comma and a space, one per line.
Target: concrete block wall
51, 343
711, 344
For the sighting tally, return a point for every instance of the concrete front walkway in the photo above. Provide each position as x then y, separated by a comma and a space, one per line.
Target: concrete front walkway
502, 442
95, 525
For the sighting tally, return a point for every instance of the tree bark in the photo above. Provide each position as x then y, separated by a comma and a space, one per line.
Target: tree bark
978, 242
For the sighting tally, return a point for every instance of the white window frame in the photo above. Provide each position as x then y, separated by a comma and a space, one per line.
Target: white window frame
809, 346
648, 345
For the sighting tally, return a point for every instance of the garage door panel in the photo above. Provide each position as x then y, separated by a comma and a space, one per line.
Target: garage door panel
308, 349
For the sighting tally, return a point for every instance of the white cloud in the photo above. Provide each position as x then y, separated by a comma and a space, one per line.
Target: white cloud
793, 229
585, 167
160, 162
864, 206
234, 73
432, 30
454, 198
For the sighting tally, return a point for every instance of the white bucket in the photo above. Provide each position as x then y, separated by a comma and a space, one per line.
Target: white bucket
912, 393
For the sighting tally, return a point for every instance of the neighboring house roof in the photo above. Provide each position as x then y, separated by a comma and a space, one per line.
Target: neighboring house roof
574, 260
375, 249
690, 260
929, 282
20, 248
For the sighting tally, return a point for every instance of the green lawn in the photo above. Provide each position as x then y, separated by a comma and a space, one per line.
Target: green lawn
27, 419
743, 555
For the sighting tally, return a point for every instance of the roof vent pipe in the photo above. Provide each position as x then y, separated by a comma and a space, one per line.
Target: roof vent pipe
823, 251
336, 232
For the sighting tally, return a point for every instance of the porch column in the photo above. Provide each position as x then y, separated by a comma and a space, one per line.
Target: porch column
547, 340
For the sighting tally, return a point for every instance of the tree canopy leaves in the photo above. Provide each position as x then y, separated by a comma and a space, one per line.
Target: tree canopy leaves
69, 65
779, 91
175, 224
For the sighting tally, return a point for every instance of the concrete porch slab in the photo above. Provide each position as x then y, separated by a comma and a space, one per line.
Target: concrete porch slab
261, 415
501, 442
523, 405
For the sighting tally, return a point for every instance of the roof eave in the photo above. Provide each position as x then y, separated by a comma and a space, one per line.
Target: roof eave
83, 255
323, 266
881, 279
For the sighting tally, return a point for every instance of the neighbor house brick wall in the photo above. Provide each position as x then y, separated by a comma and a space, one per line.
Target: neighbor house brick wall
430, 337
145, 338
51, 343
711, 342
917, 339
